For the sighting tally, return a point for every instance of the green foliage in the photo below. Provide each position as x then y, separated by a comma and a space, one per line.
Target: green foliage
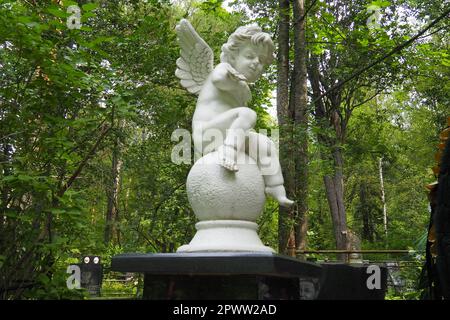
75, 101
72, 100
121, 289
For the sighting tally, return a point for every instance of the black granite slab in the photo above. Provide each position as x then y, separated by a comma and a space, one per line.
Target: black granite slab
219, 263
341, 281
247, 275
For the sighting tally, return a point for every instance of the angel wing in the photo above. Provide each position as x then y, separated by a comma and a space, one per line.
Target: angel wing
197, 58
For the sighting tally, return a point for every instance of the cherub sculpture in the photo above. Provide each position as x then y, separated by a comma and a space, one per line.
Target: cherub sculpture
223, 93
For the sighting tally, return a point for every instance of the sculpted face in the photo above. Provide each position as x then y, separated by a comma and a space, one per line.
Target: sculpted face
248, 62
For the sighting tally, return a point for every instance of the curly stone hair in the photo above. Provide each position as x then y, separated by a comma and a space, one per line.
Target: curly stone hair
248, 34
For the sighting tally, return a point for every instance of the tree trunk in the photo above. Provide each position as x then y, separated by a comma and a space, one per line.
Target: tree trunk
293, 121
338, 182
112, 194
337, 215
299, 103
367, 230
6, 165
383, 199
334, 184
284, 229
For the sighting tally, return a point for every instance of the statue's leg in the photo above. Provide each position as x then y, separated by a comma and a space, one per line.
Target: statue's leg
263, 150
234, 123
242, 117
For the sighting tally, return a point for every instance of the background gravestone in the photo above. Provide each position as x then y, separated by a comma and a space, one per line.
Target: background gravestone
91, 274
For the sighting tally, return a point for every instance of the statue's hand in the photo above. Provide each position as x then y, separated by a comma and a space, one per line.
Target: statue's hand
234, 75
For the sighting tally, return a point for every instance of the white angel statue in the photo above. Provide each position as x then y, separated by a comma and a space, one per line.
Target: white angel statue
223, 94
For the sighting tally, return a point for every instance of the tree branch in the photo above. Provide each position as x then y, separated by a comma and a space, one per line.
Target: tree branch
83, 163
368, 99
395, 50
305, 14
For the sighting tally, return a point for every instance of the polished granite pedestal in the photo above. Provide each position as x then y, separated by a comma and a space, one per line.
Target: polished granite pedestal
245, 276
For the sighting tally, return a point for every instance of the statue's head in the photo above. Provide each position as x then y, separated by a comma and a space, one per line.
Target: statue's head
248, 50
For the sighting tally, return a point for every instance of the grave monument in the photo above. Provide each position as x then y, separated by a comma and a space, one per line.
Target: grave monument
236, 168
227, 186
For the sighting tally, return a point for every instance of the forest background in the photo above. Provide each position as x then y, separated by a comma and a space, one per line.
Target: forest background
359, 92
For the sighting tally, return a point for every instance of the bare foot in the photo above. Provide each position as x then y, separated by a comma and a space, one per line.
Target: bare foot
227, 156
279, 194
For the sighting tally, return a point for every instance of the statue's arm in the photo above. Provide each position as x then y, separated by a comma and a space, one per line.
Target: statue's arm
224, 78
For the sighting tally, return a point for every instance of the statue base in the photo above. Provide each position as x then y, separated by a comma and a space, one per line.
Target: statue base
226, 235
248, 276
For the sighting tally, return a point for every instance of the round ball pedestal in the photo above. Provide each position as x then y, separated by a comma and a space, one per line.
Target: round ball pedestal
227, 205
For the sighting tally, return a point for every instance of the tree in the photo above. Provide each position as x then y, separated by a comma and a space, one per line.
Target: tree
293, 122
340, 84
51, 128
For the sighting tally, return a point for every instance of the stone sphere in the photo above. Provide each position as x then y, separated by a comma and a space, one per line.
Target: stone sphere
216, 193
